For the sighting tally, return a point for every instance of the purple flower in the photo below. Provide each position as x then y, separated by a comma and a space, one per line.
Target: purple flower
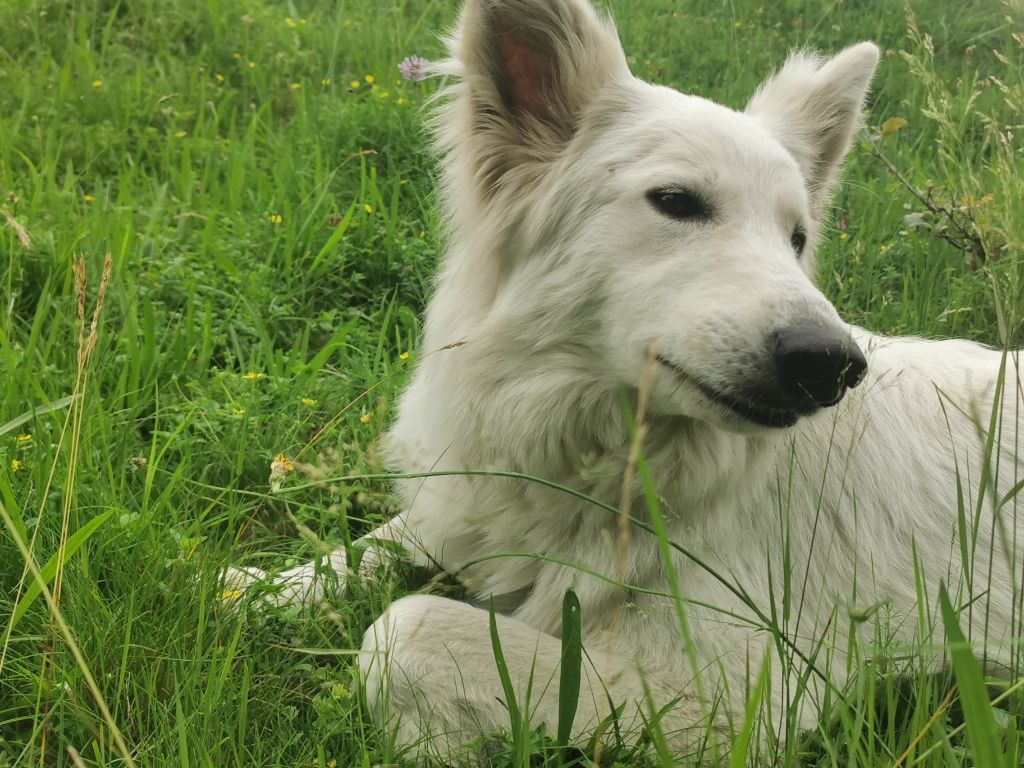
414, 68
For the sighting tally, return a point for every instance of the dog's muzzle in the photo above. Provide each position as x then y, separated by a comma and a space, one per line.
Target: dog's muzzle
815, 365
807, 367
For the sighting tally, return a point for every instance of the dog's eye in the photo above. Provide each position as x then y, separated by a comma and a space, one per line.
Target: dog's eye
798, 240
679, 204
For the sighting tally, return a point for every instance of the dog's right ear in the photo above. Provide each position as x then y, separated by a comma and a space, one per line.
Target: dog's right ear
527, 69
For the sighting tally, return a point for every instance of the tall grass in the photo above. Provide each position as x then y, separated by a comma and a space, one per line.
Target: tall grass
258, 174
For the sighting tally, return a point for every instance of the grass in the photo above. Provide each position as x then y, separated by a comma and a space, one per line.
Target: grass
258, 174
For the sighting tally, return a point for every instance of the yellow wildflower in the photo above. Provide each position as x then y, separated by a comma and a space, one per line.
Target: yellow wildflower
219, 77
885, 248
230, 594
894, 125
370, 79
365, 418
844, 236
290, 22
401, 101
238, 411
384, 94
252, 375
325, 81
236, 56
354, 84
252, 65
24, 437
404, 356
295, 86
16, 465
308, 401
275, 218
88, 198
367, 207
97, 83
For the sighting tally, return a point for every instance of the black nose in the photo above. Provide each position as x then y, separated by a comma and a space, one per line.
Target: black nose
816, 364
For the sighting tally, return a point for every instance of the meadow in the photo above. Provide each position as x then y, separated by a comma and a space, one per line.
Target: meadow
217, 232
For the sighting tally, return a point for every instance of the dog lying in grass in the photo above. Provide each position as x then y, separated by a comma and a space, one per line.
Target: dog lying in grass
636, 391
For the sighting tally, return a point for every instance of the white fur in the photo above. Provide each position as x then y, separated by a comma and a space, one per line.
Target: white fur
559, 278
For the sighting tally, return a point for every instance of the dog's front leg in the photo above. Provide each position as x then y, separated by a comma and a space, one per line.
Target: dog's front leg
306, 584
428, 666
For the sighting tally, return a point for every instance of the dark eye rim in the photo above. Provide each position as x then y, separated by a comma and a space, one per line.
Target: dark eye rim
798, 240
680, 203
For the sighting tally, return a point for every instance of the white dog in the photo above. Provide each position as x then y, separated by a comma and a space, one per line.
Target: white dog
615, 246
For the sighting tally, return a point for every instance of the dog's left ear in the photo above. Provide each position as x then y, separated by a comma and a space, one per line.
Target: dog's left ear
813, 107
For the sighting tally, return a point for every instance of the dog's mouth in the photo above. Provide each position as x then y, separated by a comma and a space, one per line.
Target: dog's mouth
743, 407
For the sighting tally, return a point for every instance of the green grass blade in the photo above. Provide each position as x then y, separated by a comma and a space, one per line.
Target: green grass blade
982, 733
181, 727
333, 240
739, 757
48, 571
13, 508
1007, 497
572, 660
506, 680
17, 421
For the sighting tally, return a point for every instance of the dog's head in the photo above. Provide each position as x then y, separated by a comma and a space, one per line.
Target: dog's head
625, 222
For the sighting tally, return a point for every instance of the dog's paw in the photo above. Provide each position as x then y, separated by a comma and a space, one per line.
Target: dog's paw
310, 583
305, 584
236, 581
300, 586
377, 560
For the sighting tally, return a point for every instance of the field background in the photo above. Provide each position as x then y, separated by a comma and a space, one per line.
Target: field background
259, 175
